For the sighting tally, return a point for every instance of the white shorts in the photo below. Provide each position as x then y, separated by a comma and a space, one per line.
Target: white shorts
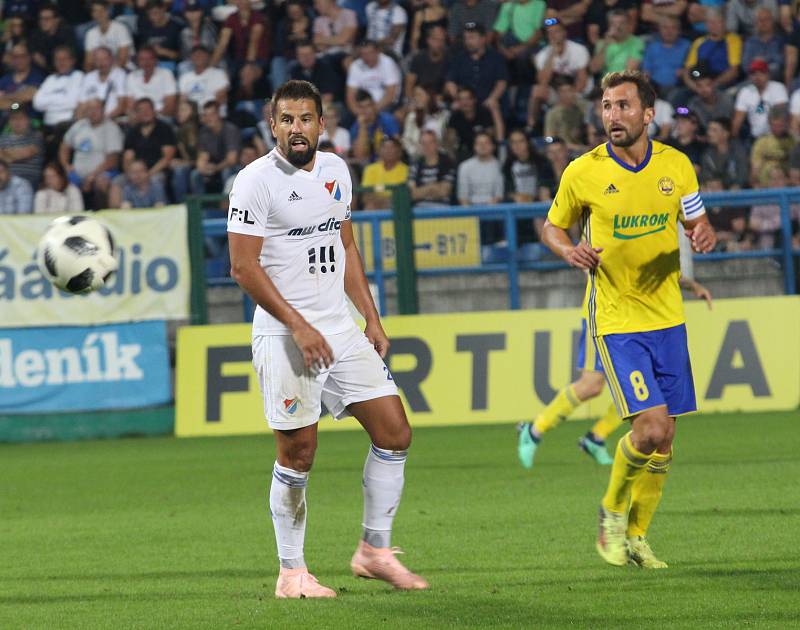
293, 395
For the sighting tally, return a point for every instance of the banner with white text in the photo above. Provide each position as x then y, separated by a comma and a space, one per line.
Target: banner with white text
152, 283
118, 366
505, 366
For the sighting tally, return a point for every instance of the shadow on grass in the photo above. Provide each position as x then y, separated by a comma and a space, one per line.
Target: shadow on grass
735, 512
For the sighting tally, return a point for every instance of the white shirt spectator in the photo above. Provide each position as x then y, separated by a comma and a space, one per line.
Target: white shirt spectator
109, 91
117, 36
480, 181
160, 85
340, 140
757, 105
380, 21
92, 144
58, 97
49, 201
16, 197
574, 58
202, 88
664, 115
374, 80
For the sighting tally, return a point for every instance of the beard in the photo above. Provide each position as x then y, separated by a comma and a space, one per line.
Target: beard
299, 158
628, 137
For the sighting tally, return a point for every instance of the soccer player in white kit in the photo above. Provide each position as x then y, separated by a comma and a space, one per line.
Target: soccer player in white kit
292, 250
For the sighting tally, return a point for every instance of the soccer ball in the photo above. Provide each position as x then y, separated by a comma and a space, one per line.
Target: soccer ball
77, 254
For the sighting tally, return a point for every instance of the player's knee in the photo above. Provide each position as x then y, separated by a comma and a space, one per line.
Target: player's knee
653, 435
399, 439
302, 458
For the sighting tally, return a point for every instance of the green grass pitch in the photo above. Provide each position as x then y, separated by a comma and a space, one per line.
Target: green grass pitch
168, 533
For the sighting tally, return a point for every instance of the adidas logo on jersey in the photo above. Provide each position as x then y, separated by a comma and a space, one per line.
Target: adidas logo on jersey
295, 197
610, 190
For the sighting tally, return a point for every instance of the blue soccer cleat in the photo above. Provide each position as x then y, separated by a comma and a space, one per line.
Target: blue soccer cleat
596, 449
526, 445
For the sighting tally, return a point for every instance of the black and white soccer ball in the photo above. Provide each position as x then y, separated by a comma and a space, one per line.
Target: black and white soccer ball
77, 254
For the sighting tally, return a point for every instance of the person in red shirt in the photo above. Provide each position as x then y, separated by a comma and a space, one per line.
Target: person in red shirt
245, 37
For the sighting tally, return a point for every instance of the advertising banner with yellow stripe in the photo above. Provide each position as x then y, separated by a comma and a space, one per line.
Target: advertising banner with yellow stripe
152, 282
505, 366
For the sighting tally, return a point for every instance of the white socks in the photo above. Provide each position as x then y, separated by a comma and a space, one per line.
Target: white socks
383, 485
287, 504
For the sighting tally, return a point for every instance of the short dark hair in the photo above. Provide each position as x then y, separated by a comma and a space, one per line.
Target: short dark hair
297, 90
145, 99
369, 42
362, 95
647, 93
722, 121
487, 134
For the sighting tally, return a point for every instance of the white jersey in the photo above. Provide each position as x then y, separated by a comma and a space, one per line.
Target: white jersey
299, 214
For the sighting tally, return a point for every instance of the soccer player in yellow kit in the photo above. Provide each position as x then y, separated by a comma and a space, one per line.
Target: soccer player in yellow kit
630, 194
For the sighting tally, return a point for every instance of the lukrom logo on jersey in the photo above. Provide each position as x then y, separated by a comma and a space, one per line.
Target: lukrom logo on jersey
638, 225
331, 225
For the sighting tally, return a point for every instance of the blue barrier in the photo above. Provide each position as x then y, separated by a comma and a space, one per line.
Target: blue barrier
513, 263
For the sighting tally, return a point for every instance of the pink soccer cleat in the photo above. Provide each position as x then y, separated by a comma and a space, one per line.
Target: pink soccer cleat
298, 584
379, 563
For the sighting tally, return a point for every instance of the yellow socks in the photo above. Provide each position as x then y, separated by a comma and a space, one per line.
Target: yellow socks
558, 410
646, 493
606, 425
629, 464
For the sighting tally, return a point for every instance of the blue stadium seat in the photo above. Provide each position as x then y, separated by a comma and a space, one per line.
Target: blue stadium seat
492, 254
531, 252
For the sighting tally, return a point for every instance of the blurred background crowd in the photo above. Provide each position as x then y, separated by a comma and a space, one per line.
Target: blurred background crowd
139, 103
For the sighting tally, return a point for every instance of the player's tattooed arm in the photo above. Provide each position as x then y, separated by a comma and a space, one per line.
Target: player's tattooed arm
701, 234
582, 255
248, 273
357, 289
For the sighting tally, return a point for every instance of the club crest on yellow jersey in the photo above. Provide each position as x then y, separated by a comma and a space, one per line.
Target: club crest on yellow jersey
666, 186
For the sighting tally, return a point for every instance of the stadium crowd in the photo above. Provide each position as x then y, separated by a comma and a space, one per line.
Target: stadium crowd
137, 103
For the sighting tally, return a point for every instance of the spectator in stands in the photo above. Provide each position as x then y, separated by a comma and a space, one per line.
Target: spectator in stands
263, 139
565, 118
335, 30
16, 194
294, 28
517, 31
338, 136
463, 12
57, 195
685, 139
107, 83
90, 153
387, 171
150, 140
218, 146
791, 54
741, 14
247, 155
49, 35
22, 147
370, 127
245, 36
58, 97
561, 57
773, 148
151, 81
428, 67
593, 122
109, 33
483, 70
386, 26
732, 224
466, 121
139, 190
720, 52
571, 14
661, 126
765, 219
204, 83
558, 156
755, 99
375, 72
724, 160
199, 31
664, 55
709, 101
186, 147
619, 50
430, 15
318, 71
598, 17
249, 91
14, 32
20, 83
765, 44
480, 180
162, 32
653, 12
431, 174
425, 114
527, 174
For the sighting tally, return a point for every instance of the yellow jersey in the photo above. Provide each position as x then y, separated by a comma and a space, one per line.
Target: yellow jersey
633, 214
376, 175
